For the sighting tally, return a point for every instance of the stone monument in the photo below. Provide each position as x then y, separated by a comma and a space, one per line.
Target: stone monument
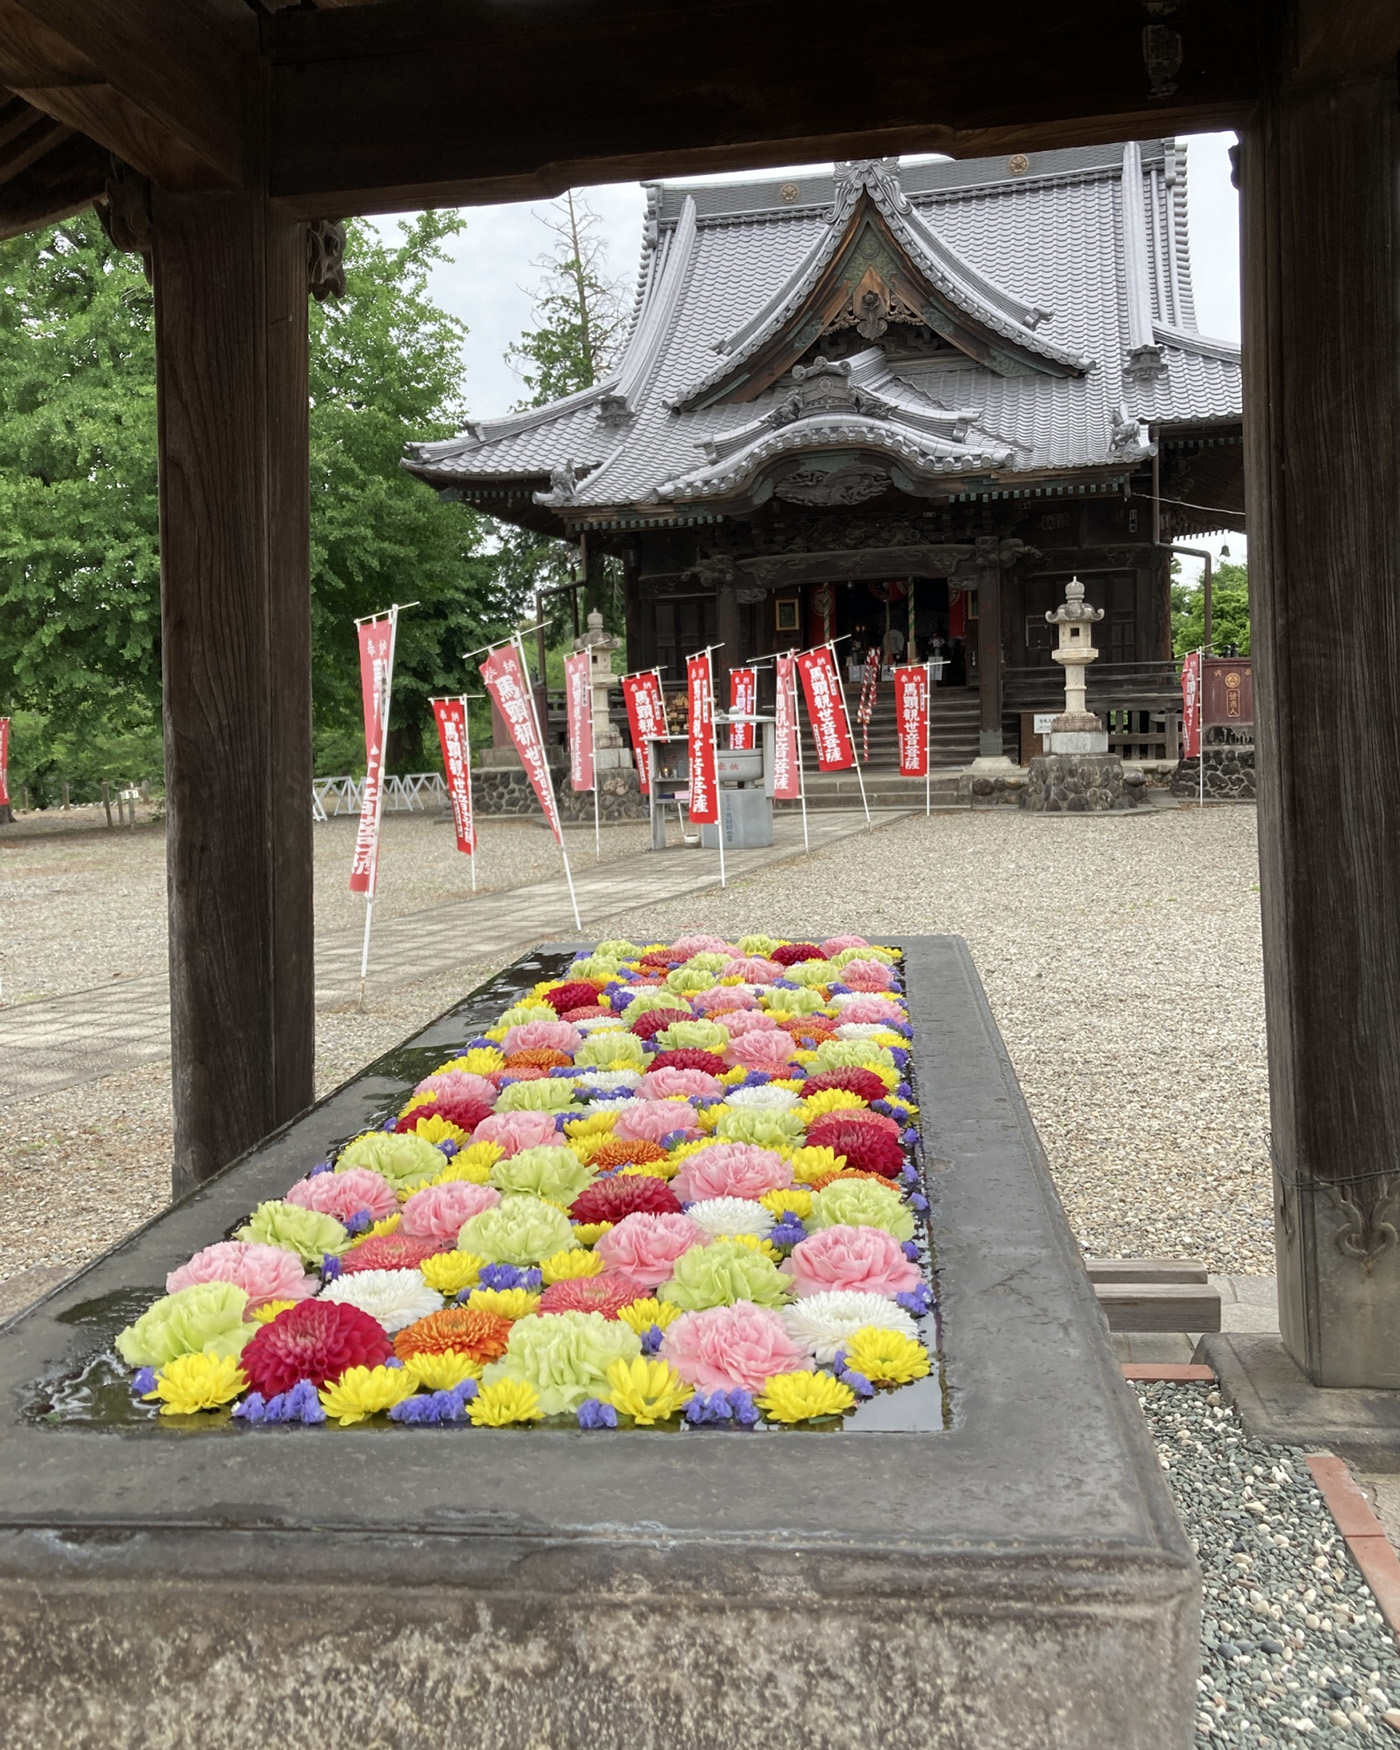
609, 753
1079, 775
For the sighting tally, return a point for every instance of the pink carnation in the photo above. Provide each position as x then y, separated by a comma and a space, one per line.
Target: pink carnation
867, 1010
645, 1247
866, 1260
722, 999
771, 1051
438, 1211
455, 1086
756, 1021
517, 1130
731, 1169
839, 944
866, 975
650, 1120
688, 945
345, 1194
728, 1347
543, 1036
263, 1272
753, 970
668, 1084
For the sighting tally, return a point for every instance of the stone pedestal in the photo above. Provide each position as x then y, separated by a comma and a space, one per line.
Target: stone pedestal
1078, 783
1229, 775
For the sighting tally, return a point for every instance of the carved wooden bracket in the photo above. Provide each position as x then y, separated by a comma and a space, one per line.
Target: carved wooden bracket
125, 212
325, 259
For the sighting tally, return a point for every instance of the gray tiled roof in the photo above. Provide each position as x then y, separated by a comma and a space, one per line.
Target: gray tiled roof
1080, 262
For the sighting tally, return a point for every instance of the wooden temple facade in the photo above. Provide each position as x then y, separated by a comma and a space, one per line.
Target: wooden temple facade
899, 405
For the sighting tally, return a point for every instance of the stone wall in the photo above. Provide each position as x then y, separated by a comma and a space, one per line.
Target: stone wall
1080, 783
1229, 775
505, 790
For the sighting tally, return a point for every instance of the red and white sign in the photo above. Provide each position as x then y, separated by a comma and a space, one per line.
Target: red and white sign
578, 712
451, 715
911, 719
504, 675
1191, 704
743, 698
826, 706
4, 762
646, 716
704, 779
787, 773
376, 682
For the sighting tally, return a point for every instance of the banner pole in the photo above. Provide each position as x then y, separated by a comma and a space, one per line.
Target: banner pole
1201, 727
928, 726
714, 743
471, 800
797, 738
379, 800
593, 740
556, 823
841, 688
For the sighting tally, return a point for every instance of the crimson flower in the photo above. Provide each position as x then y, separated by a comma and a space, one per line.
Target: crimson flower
394, 1251
649, 1024
575, 995
612, 1199
690, 1057
796, 951
863, 1083
867, 1147
316, 1340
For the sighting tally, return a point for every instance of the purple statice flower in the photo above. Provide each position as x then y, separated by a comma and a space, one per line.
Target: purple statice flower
702, 1409
756, 1078
594, 1413
320, 1167
359, 1221
431, 1408
467, 1390
507, 1276
330, 1266
905, 1029
394, 1361
904, 1091
900, 1056
390, 1125
858, 1383
673, 1139
480, 1043
743, 1408
561, 1069
304, 1402
917, 1302
839, 990
911, 1251
788, 1232
448, 1147
560, 1120
651, 1339
783, 984
908, 1175
910, 1137
252, 1409
919, 1202
143, 1380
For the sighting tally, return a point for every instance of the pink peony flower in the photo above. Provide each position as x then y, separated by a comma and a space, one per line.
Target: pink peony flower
771, 1051
543, 1036
645, 1247
731, 1169
839, 944
723, 999
263, 1272
866, 1011
517, 1130
457, 1085
650, 1120
866, 975
345, 1194
688, 945
756, 1021
668, 1084
866, 1260
728, 1347
438, 1211
753, 970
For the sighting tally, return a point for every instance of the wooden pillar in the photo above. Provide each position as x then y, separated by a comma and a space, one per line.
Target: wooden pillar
231, 362
989, 679
1320, 179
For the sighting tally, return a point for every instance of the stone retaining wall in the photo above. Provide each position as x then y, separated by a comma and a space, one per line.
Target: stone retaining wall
1081, 783
505, 790
1229, 775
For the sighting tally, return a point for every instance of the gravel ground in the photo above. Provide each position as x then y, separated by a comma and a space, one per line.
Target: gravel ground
1293, 1648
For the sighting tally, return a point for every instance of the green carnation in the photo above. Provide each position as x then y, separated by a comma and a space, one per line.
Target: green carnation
616, 948
809, 972
706, 961
523, 1013
758, 946
565, 1356
404, 1161
685, 981
722, 1273
609, 1050
694, 1036
596, 965
303, 1231
205, 1319
647, 1000
847, 955
760, 1126
850, 1054
861, 1203
549, 1094
551, 1172
521, 1230
797, 1002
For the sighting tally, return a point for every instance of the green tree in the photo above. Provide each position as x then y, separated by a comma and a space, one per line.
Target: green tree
1229, 610
579, 309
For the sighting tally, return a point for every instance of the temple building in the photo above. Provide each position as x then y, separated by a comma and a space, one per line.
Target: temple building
902, 404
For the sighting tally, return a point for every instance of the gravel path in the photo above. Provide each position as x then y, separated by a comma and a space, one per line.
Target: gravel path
1293, 1648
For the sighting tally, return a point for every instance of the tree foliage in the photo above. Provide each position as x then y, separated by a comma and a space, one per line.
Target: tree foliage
580, 310
1229, 611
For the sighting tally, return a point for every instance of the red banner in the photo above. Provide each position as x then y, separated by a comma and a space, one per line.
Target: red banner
505, 681
703, 808
578, 713
1191, 704
646, 716
826, 706
787, 773
376, 680
911, 720
451, 717
4, 762
743, 698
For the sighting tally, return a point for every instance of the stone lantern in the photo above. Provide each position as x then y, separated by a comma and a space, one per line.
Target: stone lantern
1076, 729
600, 646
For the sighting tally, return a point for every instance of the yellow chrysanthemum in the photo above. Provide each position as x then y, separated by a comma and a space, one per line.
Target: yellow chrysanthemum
588, 1233
781, 1015
732, 1077
828, 1100
815, 1163
443, 1370
268, 1311
451, 1272
666, 1169
641, 1315
682, 1149
473, 1163
495, 1034
732, 979
198, 1382
886, 1357
506, 1303
595, 1124
505, 1402
794, 1201
755, 1244
378, 1229
804, 1397
566, 1266
365, 1391
791, 1083
647, 1391
437, 1130
543, 988
478, 1062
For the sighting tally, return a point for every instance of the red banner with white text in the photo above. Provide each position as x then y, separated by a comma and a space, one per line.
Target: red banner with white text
578, 715
451, 715
376, 679
911, 719
743, 698
1191, 704
826, 706
646, 716
505, 680
787, 773
703, 808
4, 762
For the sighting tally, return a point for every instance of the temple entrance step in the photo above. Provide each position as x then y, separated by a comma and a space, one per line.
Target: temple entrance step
884, 788
953, 728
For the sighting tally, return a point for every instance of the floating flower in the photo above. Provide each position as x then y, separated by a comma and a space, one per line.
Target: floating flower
471, 1165
611, 1050
771, 1130
686, 947
822, 1324
651, 1120
552, 1172
506, 1303
864, 1083
454, 1085
344, 1194
303, 1231
394, 1297
573, 1261
733, 1169
886, 1357
543, 1095
519, 1230
543, 1036
437, 1212
608, 1294
462, 1330
646, 1246
564, 1356
770, 1051
690, 1057
269, 1309
404, 1161
728, 1346
864, 1145
263, 1272
722, 1273
516, 1130
768, 1097
679, 1084
441, 1369
613, 1199
505, 1403
793, 1201
365, 1391
197, 1382
451, 1272
433, 1127
810, 1165
396, 1251
828, 1100
839, 944
315, 1340
205, 1318
865, 1260
650, 1012
730, 1217
649, 1314
804, 1397
647, 1391
574, 995
866, 975
859, 1202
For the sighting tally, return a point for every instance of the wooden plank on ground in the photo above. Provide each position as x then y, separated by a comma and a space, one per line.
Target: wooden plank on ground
1159, 1306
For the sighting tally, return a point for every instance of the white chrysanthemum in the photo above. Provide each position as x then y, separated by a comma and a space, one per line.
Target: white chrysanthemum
824, 1323
762, 1099
395, 1297
607, 1078
600, 1024
844, 999
723, 1217
868, 1030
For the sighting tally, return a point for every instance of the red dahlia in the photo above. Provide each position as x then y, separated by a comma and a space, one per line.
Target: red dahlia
465, 1114
796, 951
611, 1199
862, 1082
690, 1057
647, 1026
410, 1118
315, 1340
390, 1252
661, 961
606, 1294
574, 995
866, 1146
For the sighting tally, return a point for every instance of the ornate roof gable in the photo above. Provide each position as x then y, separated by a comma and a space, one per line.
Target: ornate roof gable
879, 262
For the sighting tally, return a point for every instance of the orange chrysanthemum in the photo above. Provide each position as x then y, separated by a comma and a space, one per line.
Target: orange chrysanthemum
808, 1027
541, 1058
625, 1154
826, 1179
482, 1335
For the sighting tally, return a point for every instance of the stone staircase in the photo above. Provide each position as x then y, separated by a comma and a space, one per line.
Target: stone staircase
952, 742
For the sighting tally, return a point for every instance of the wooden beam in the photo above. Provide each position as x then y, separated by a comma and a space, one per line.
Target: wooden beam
168, 88
417, 102
67, 178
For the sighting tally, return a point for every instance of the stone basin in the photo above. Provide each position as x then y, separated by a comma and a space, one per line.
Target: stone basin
993, 1565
